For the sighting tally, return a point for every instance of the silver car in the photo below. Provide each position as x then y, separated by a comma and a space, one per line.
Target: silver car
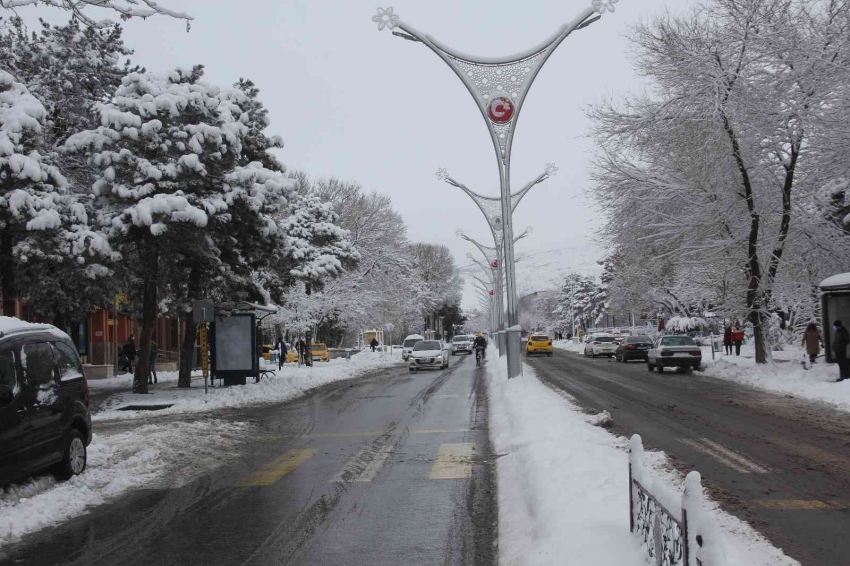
674, 351
462, 343
432, 354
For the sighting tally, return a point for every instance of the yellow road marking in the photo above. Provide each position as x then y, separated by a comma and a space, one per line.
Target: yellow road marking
454, 462
371, 433
802, 504
277, 468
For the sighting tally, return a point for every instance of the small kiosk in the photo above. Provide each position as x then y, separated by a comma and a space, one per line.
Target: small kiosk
835, 297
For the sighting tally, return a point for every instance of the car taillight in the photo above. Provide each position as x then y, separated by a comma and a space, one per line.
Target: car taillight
630, 346
550, 341
696, 353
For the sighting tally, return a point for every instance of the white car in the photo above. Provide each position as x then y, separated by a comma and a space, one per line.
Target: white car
600, 345
429, 354
462, 343
408, 344
680, 352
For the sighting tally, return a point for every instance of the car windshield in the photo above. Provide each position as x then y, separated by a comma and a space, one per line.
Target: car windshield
426, 345
460, 339
638, 340
411, 342
539, 338
677, 341
319, 347
603, 339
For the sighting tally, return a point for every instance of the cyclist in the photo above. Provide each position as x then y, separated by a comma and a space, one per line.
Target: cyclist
480, 346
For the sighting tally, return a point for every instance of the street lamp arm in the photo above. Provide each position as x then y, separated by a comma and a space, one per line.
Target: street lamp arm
516, 197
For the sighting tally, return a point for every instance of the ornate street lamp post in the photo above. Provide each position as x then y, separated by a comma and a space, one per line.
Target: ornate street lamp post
499, 86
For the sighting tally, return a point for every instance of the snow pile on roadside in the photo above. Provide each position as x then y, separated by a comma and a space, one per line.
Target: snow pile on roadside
288, 383
563, 484
785, 374
117, 463
569, 346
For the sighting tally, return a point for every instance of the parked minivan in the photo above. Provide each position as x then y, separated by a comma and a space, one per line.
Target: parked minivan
45, 422
408, 344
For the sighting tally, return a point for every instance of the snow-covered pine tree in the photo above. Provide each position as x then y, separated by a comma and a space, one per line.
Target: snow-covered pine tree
69, 69
167, 154
39, 217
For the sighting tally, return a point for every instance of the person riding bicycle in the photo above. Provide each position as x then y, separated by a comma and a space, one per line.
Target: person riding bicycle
480, 345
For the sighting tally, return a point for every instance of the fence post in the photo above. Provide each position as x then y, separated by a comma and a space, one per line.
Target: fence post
685, 553
631, 501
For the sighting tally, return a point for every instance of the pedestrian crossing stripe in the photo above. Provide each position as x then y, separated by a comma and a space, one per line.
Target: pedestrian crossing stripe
278, 468
454, 462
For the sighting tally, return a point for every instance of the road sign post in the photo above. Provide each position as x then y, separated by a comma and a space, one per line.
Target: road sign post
205, 362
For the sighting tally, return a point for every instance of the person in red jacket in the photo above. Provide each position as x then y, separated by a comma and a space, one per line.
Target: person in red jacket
737, 339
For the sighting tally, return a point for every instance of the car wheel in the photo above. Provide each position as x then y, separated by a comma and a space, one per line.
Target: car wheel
74, 457
660, 368
649, 366
549, 354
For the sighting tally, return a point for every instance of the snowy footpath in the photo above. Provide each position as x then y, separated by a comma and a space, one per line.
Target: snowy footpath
784, 374
168, 454
285, 384
563, 484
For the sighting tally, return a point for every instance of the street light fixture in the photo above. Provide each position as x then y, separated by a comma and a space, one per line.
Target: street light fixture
499, 86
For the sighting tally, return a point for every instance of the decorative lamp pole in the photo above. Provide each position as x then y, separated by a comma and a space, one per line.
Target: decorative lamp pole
499, 86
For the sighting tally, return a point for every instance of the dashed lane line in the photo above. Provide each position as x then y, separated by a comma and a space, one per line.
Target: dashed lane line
725, 456
454, 462
278, 468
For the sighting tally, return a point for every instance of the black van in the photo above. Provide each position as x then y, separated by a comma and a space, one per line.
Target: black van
45, 421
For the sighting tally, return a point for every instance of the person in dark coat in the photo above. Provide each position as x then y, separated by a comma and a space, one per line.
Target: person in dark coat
129, 350
812, 341
727, 341
152, 367
302, 351
281, 348
373, 344
840, 341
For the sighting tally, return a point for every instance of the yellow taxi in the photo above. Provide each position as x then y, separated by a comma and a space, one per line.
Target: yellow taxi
291, 354
320, 352
267, 352
538, 344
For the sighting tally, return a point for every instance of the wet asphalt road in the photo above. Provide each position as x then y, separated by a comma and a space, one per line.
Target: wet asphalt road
779, 463
388, 469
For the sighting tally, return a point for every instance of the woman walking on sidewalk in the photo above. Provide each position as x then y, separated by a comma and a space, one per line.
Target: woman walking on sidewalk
738, 339
727, 340
813, 341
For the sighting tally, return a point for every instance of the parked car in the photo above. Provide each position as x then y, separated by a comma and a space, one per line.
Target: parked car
600, 344
462, 343
291, 354
538, 344
408, 344
320, 352
267, 351
429, 354
674, 351
45, 419
633, 348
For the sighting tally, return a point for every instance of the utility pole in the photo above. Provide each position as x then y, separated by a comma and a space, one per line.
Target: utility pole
499, 87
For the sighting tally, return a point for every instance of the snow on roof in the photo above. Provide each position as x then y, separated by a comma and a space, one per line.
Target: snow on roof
840, 280
9, 324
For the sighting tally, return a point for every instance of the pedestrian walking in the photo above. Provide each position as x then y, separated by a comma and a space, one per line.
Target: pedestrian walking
737, 339
840, 341
152, 367
727, 340
302, 351
129, 350
281, 348
812, 341
373, 344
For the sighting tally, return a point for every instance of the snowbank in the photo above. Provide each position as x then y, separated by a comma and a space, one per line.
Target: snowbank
785, 374
149, 456
288, 383
563, 484
569, 346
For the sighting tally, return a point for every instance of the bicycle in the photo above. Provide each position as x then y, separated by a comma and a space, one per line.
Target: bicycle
479, 356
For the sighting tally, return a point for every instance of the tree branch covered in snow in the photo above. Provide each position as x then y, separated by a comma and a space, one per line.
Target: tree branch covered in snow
126, 9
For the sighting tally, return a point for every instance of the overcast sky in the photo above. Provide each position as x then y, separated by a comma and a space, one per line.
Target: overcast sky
360, 104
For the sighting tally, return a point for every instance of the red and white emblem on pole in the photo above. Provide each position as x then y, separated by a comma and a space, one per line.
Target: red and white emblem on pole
501, 110
491, 292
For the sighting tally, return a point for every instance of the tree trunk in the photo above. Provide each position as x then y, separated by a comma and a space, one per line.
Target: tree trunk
75, 334
308, 335
757, 320
7, 275
140, 381
187, 351
187, 348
